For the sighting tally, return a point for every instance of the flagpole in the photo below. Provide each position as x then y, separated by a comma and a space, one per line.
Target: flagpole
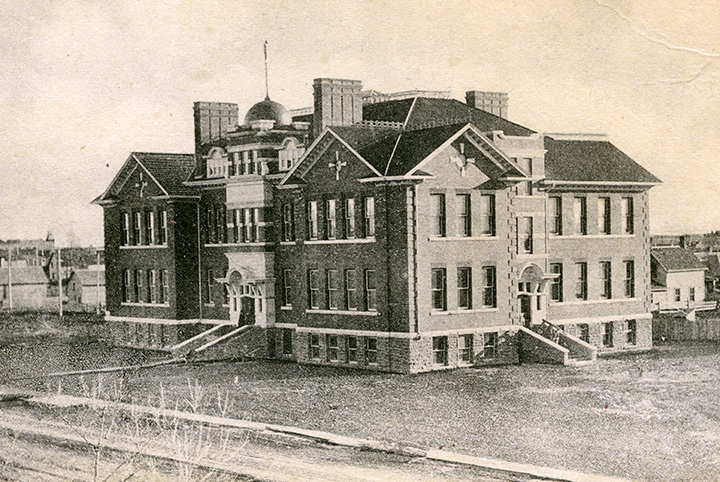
60, 280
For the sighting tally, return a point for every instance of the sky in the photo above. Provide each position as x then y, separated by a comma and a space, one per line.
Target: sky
85, 83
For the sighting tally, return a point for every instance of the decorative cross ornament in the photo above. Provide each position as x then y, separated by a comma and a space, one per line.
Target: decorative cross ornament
337, 165
142, 184
461, 160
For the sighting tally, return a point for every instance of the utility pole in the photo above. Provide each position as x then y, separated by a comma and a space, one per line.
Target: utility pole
60, 281
97, 281
10, 297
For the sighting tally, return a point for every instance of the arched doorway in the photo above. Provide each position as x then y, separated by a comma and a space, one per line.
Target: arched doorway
532, 298
244, 294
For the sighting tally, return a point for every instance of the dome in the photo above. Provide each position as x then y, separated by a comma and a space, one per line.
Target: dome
268, 110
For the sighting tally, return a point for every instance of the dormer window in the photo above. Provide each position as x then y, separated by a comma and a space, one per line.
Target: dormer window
289, 154
217, 163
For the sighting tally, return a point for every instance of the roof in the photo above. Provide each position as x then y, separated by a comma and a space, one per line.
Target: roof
31, 275
591, 161
675, 258
268, 110
90, 277
170, 170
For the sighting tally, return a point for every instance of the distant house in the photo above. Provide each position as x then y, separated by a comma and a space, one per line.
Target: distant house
28, 287
678, 279
86, 287
712, 275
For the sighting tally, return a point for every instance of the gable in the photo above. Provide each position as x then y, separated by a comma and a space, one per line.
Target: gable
138, 185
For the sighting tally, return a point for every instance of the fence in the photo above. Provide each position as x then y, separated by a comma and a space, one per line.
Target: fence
673, 328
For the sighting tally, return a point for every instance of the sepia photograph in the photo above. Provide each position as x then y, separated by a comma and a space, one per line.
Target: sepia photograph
359, 241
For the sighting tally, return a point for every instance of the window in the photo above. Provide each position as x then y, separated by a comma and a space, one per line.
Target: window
631, 332
465, 348
464, 288
581, 281
629, 279
288, 232
333, 352
370, 290
607, 339
692, 294
287, 341
628, 215
464, 221
584, 332
677, 294
138, 229
332, 289
126, 229
440, 350
248, 229
314, 289
351, 349
525, 188
314, 346
257, 212
489, 288
209, 282
139, 275
490, 345
487, 215
369, 217
351, 290
580, 215
230, 227
238, 222
606, 279
164, 287
162, 239
437, 214
350, 218
312, 220
556, 287
525, 234
556, 215
210, 225
371, 350
604, 215
151, 286
331, 219
287, 287
149, 227
438, 288
127, 286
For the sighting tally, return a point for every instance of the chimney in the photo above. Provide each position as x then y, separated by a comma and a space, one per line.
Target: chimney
492, 102
213, 120
337, 102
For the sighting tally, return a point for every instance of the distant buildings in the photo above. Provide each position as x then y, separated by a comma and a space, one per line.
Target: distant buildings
678, 280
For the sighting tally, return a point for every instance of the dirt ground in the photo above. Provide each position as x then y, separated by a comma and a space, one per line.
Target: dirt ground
652, 416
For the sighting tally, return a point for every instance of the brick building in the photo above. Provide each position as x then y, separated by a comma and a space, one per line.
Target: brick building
403, 233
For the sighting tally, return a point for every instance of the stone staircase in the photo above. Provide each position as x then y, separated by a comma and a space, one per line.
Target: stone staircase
188, 346
547, 343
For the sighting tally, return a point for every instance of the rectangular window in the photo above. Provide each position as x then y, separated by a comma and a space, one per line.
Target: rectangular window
220, 220
465, 348
333, 351
630, 332
440, 350
489, 287
209, 282
487, 215
287, 341
581, 281
331, 219
332, 289
139, 275
525, 234
677, 294
464, 288
490, 345
314, 346
287, 287
580, 212
211, 232
127, 286
370, 290
692, 294
238, 214
151, 286
438, 289
607, 339
369, 217
437, 214
525, 188
230, 230
605, 280
628, 215
350, 218
351, 349
126, 229
314, 289
556, 287
312, 220
629, 279
604, 217
138, 229
464, 218
351, 290
371, 351
164, 287
162, 238
257, 213
288, 233
556, 215
584, 332
149, 227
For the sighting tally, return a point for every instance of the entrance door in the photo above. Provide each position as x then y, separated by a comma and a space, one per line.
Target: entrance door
526, 309
247, 315
235, 307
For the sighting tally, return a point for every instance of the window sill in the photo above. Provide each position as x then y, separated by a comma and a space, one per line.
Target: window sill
341, 241
342, 312
286, 308
463, 238
461, 312
143, 246
591, 236
150, 305
222, 245
584, 302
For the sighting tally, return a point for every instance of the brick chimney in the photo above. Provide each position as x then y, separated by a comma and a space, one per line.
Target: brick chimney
337, 102
213, 120
492, 102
